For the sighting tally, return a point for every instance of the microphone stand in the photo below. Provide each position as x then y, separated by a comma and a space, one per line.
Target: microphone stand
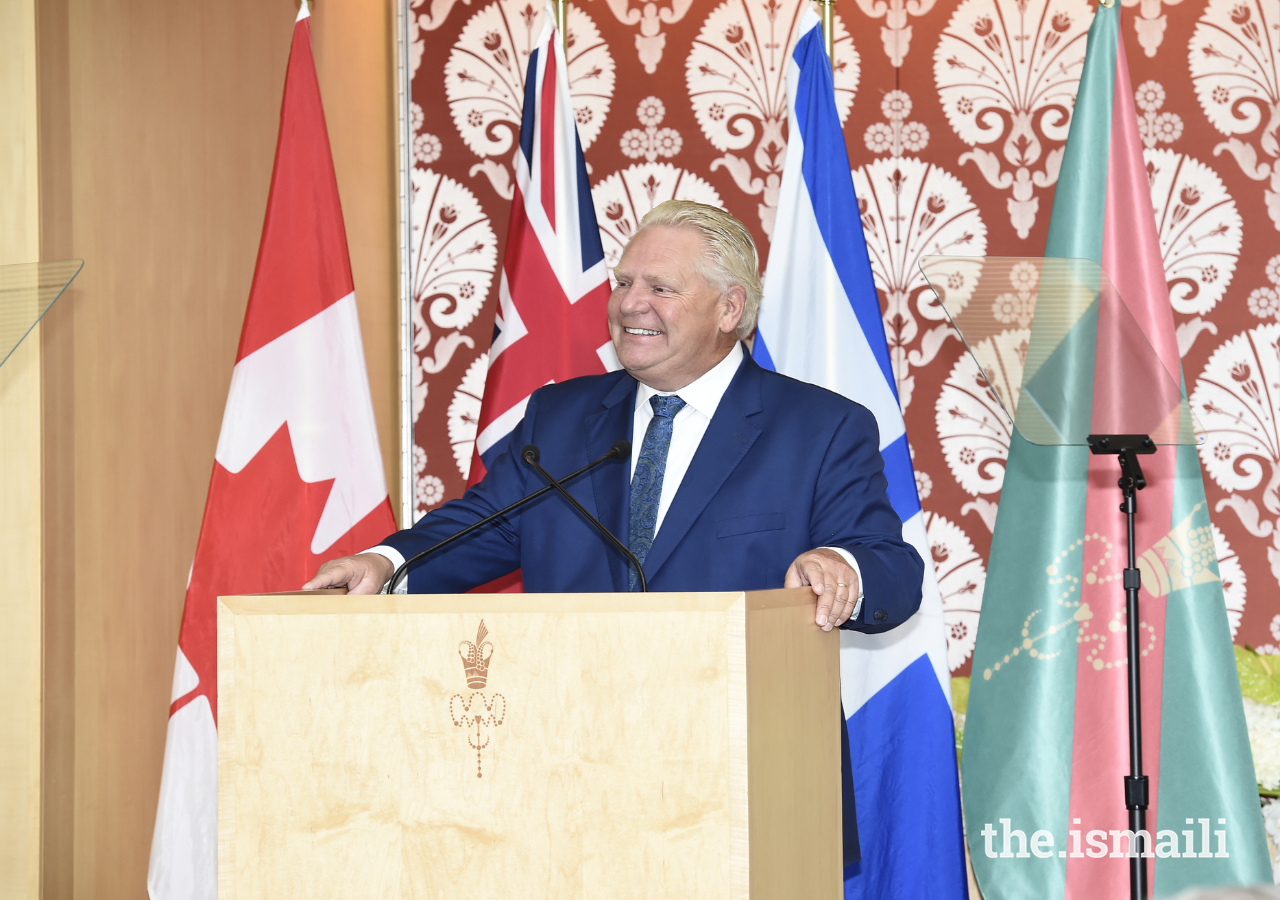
620, 450
1128, 447
530, 455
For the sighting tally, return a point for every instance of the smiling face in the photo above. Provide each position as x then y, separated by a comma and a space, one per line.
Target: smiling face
668, 324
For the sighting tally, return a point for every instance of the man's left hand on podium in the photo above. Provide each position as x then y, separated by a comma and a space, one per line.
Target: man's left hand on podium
832, 579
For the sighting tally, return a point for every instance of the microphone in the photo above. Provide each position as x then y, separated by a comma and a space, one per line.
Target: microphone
530, 455
620, 450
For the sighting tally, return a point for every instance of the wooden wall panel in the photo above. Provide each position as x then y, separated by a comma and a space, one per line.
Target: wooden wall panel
58, 460
172, 110
19, 471
20, 618
355, 51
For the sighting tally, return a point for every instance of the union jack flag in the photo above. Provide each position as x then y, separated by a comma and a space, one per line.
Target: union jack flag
551, 323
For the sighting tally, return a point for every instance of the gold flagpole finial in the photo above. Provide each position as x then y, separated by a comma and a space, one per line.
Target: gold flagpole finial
829, 29
561, 8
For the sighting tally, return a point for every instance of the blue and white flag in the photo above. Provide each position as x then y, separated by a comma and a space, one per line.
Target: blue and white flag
820, 322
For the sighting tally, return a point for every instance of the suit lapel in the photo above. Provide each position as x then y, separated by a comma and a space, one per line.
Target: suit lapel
611, 481
729, 436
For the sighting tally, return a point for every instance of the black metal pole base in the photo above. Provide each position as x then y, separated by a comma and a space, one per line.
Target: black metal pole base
1135, 795
1129, 447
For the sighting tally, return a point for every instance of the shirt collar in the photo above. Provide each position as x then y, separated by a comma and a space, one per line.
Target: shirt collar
705, 393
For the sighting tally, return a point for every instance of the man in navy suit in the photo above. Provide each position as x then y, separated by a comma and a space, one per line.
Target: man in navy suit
739, 479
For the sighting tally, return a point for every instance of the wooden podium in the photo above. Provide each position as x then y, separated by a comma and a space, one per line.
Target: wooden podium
486, 747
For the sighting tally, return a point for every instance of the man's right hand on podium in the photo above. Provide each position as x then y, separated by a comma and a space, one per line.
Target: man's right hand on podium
365, 573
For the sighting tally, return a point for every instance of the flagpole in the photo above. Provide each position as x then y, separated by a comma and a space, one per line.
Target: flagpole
561, 8
405, 247
829, 29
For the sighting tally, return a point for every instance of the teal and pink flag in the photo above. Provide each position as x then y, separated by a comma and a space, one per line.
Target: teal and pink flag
1047, 737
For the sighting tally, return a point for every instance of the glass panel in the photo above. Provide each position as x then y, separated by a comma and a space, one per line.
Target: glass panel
27, 290
1060, 349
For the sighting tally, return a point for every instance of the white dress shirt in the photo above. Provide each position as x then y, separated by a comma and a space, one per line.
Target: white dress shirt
701, 399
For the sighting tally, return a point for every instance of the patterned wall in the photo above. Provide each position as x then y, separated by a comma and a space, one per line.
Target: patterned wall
955, 117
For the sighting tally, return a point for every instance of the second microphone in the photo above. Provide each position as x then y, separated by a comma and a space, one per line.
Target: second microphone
622, 449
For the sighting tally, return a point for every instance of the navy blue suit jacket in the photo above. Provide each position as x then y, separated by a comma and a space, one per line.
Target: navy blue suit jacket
784, 467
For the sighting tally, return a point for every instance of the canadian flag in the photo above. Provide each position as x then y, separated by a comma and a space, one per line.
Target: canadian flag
297, 476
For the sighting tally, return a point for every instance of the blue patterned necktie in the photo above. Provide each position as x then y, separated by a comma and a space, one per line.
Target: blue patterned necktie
646, 483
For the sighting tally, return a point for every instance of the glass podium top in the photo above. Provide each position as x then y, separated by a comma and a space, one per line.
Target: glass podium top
27, 290
1087, 366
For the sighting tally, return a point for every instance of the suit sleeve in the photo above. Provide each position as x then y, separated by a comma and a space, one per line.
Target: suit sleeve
487, 553
851, 510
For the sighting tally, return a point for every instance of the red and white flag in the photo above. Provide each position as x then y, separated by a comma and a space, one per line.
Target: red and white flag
551, 322
297, 476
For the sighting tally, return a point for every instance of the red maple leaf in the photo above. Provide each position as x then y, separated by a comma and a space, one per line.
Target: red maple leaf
256, 539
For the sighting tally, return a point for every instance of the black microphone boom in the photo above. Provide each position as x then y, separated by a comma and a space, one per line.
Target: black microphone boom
620, 450
530, 455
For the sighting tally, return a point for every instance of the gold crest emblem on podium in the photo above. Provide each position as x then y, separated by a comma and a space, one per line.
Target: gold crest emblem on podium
476, 712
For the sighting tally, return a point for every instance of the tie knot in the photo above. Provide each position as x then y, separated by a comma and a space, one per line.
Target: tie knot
666, 407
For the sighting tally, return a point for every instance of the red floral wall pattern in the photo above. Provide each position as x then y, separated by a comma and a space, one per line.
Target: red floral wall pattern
955, 117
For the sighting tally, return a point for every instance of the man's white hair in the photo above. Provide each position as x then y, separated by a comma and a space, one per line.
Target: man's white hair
731, 253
